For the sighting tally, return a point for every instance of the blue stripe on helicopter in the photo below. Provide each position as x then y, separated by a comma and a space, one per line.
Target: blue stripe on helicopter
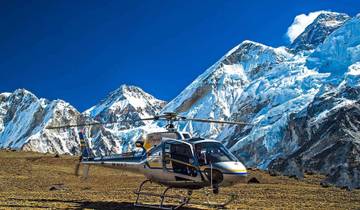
238, 173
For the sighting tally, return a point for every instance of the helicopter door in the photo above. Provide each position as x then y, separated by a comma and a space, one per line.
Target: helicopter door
178, 158
154, 158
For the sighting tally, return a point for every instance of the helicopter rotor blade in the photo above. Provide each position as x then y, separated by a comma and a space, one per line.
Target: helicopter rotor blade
169, 116
78, 125
149, 118
100, 123
214, 121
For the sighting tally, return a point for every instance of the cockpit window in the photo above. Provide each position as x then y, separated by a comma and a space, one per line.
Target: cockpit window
212, 152
186, 136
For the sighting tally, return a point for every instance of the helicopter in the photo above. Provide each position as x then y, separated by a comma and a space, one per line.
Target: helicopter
171, 158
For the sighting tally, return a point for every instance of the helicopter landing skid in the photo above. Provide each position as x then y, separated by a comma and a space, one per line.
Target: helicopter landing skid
214, 205
183, 200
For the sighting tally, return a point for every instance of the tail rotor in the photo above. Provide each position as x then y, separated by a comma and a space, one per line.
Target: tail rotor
85, 155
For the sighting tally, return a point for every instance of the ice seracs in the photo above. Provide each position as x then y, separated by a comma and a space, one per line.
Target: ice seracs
339, 50
352, 76
327, 131
327, 134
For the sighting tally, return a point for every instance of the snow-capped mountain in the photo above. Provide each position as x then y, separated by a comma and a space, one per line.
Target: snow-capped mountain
254, 83
328, 135
3, 99
339, 50
315, 33
127, 103
328, 130
24, 117
302, 103
218, 92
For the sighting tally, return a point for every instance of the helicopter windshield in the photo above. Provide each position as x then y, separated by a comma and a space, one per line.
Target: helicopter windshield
212, 152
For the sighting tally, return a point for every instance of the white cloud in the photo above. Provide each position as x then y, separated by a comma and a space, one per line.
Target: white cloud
300, 23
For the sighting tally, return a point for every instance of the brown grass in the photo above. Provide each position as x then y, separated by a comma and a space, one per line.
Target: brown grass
26, 179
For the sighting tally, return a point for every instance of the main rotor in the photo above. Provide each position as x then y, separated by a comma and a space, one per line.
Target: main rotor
169, 117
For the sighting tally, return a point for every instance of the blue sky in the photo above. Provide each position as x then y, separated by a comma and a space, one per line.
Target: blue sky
79, 51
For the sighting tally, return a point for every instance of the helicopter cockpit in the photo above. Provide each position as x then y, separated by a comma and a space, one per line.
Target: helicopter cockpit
197, 152
187, 159
212, 152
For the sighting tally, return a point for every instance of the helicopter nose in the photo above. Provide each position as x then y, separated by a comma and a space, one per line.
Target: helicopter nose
234, 168
233, 172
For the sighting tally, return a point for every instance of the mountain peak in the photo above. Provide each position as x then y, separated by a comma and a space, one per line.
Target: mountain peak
23, 118
339, 50
125, 88
127, 102
251, 43
5, 94
252, 54
246, 44
128, 91
22, 91
320, 28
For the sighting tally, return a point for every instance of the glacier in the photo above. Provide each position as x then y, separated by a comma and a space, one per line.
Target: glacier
339, 50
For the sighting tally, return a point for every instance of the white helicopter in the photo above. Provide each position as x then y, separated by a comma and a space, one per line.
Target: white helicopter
173, 159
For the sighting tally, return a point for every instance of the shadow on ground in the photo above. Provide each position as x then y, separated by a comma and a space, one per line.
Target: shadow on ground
77, 204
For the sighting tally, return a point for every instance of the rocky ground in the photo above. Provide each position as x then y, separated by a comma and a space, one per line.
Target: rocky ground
32, 180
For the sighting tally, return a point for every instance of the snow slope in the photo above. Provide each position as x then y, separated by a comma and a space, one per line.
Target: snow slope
24, 117
328, 130
339, 50
127, 103
316, 32
217, 92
